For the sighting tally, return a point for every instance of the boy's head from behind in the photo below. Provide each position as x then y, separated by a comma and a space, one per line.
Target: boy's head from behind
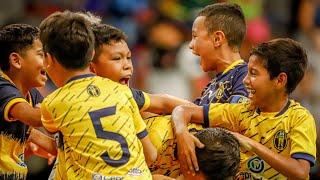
22, 53
220, 158
216, 25
112, 57
68, 37
280, 56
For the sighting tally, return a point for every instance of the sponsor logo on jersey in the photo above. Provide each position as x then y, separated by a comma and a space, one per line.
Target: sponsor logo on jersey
135, 172
256, 165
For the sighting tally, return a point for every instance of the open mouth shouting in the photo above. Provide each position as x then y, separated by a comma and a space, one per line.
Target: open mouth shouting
125, 80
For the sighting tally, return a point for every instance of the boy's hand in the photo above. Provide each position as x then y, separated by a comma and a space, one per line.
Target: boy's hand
186, 143
36, 150
244, 141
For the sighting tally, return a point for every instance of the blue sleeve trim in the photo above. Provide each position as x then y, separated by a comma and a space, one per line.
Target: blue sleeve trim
206, 115
304, 156
142, 134
138, 97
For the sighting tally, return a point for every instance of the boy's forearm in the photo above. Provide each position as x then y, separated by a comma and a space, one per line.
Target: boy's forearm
150, 152
26, 114
292, 168
164, 104
185, 114
180, 118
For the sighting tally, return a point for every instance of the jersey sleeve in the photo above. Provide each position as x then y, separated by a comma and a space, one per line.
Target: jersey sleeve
47, 119
303, 137
139, 124
222, 115
36, 96
142, 99
9, 96
239, 92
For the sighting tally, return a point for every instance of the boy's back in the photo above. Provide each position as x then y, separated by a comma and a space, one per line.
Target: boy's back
100, 124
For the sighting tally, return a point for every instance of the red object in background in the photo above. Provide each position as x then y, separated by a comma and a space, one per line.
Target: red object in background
258, 31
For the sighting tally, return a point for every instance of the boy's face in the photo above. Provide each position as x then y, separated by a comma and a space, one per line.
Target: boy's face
259, 85
114, 62
32, 65
201, 44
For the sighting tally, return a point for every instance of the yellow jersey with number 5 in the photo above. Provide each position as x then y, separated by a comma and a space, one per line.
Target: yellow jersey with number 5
100, 124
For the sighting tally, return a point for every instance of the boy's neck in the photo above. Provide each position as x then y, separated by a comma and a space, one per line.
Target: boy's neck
68, 74
17, 79
227, 56
275, 104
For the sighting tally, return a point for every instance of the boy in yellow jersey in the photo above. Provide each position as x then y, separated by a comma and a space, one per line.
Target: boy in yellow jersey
113, 60
22, 69
99, 122
278, 134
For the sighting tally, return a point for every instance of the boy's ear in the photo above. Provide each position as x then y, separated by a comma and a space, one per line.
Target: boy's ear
282, 80
218, 38
48, 60
15, 60
92, 68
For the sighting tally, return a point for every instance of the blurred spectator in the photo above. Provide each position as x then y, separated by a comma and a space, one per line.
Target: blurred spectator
258, 29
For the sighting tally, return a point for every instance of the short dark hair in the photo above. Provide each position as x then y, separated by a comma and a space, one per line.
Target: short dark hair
283, 55
15, 38
220, 158
69, 38
105, 34
228, 18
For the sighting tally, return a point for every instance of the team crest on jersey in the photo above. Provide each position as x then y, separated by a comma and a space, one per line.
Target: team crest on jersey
256, 165
280, 140
93, 90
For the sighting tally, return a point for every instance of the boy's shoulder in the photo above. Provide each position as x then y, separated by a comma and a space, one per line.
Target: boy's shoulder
240, 68
296, 108
92, 86
6, 86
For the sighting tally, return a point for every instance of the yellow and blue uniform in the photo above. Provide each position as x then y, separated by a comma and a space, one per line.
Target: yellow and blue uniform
290, 132
13, 135
226, 87
161, 134
100, 124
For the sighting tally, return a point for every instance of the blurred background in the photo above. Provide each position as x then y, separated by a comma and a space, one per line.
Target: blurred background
158, 35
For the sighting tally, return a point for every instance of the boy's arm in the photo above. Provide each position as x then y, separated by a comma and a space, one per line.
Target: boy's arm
186, 142
290, 167
25, 113
150, 152
164, 103
156, 103
44, 141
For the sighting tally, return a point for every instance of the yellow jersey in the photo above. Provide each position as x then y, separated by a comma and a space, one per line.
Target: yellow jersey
162, 136
290, 132
100, 124
13, 135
